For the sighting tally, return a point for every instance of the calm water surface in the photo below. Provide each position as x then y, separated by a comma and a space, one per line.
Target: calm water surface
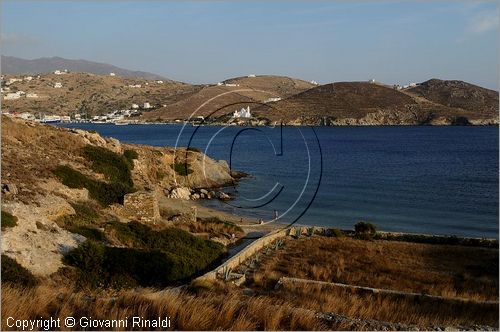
439, 180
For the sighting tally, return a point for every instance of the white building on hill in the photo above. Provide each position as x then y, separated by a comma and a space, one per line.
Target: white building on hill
243, 113
58, 85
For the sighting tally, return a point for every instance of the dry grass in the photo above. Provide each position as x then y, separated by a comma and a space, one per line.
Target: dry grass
450, 271
209, 311
220, 307
213, 226
425, 313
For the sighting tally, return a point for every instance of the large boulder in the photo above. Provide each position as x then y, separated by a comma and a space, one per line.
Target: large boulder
180, 193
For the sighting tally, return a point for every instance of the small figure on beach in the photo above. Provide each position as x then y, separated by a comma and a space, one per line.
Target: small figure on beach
233, 238
261, 221
275, 214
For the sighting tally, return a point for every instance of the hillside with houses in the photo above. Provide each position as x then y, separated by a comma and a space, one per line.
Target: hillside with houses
66, 96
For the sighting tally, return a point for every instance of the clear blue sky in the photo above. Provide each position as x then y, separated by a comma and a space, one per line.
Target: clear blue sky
198, 42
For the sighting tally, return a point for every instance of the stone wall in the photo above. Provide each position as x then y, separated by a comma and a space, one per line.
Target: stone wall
244, 254
141, 206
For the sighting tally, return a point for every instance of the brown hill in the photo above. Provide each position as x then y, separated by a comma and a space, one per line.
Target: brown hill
95, 94
342, 103
459, 94
233, 94
281, 86
362, 103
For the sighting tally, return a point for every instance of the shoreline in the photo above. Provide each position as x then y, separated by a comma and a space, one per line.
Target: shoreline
250, 224
224, 124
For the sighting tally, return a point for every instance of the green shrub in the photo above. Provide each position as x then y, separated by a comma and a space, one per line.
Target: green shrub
115, 167
89, 232
8, 220
104, 193
130, 155
181, 168
89, 258
229, 226
365, 230
85, 214
15, 274
71, 178
158, 258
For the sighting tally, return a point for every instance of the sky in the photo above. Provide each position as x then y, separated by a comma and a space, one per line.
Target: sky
395, 42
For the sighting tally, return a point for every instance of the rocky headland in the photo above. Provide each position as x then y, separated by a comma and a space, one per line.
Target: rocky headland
37, 195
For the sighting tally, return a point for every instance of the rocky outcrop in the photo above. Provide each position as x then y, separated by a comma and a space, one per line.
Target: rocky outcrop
180, 193
194, 194
33, 194
37, 242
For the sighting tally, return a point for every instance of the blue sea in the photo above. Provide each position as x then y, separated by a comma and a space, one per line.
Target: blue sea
435, 180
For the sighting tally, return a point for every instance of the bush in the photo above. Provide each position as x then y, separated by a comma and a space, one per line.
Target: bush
226, 225
85, 214
15, 274
365, 230
181, 168
89, 258
104, 193
89, 232
115, 167
159, 258
130, 155
8, 220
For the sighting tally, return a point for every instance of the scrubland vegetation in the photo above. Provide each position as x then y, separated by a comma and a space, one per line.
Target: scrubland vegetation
212, 225
116, 169
14, 275
147, 258
181, 169
8, 220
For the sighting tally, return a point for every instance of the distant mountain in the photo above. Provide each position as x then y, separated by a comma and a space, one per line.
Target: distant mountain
16, 66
